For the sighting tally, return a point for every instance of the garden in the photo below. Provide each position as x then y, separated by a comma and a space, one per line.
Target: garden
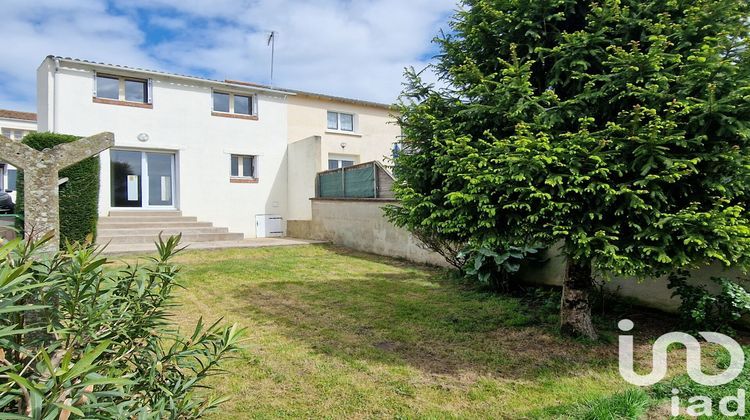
616, 133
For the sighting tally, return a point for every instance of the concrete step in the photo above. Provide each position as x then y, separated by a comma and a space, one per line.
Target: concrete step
190, 237
140, 230
109, 224
136, 219
130, 213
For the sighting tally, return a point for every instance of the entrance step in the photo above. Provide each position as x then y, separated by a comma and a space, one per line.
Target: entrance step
131, 213
186, 237
111, 224
106, 231
137, 219
124, 227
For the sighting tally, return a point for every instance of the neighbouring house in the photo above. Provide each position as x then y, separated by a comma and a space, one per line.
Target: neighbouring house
15, 125
193, 150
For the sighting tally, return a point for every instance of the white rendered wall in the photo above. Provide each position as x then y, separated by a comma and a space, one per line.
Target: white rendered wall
17, 124
181, 122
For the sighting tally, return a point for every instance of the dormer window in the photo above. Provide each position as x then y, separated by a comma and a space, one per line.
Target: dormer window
227, 104
121, 90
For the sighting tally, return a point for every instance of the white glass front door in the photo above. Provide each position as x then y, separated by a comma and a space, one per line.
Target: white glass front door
142, 179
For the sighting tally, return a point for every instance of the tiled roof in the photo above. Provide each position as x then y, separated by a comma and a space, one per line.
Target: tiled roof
17, 115
231, 82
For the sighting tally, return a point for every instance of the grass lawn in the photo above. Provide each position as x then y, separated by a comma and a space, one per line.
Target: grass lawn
334, 333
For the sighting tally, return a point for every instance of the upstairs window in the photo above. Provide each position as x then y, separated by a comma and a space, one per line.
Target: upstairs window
107, 87
124, 89
221, 102
243, 105
340, 121
231, 103
136, 90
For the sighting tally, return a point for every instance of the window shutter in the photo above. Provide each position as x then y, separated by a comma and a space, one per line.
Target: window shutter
150, 99
94, 87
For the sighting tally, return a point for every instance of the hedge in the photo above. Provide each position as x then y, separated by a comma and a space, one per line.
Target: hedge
79, 196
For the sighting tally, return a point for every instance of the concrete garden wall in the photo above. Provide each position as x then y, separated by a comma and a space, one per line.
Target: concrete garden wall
361, 225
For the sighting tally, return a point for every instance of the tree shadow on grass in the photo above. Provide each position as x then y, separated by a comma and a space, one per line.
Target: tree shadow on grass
415, 319
358, 306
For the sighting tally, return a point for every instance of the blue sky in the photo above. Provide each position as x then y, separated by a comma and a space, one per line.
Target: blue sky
354, 48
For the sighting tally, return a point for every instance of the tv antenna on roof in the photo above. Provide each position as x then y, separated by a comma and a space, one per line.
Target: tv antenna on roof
272, 43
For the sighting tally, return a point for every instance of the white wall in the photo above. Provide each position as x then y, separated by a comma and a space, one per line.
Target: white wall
17, 124
360, 224
304, 163
181, 122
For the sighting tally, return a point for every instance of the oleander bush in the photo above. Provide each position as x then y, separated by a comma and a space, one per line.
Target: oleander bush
79, 339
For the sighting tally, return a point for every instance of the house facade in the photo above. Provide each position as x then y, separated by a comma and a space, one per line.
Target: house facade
327, 133
221, 151
14, 125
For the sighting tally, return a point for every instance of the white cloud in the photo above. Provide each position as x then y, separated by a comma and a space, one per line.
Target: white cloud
355, 48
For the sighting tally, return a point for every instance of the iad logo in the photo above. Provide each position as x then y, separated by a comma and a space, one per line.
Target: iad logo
659, 362
701, 405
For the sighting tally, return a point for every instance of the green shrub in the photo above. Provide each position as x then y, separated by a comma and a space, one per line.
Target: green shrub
702, 310
495, 266
76, 338
79, 196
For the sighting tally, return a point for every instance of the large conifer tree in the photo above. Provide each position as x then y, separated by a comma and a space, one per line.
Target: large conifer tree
620, 129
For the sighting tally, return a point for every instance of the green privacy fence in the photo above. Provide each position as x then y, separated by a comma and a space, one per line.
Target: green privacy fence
366, 180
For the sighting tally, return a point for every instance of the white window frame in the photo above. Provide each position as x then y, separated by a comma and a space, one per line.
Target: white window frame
15, 133
253, 103
338, 122
121, 87
340, 158
240, 166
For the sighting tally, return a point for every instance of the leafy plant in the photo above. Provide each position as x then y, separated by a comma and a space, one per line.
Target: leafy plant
704, 310
492, 267
79, 340
618, 130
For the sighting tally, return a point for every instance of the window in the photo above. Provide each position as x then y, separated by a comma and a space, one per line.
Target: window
221, 102
136, 90
15, 134
243, 166
123, 89
12, 174
339, 163
230, 103
242, 105
107, 87
340, 121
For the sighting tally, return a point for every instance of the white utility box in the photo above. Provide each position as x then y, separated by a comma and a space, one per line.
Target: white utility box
269, 226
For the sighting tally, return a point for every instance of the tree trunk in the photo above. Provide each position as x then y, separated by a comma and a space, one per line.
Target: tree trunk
575, 308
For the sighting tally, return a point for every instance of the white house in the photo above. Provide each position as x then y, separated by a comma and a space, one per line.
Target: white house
14, 125
219, 151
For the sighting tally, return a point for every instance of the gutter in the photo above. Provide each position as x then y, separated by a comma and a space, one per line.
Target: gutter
54, 95
193, 79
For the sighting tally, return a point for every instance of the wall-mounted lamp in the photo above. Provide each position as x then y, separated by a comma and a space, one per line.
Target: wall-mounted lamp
143, 137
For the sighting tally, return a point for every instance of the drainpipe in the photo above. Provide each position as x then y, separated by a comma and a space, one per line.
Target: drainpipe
54, 96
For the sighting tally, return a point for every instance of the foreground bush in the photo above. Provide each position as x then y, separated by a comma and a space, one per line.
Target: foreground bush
79, 340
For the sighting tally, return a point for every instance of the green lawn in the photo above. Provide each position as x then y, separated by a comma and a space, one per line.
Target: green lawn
333, 333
